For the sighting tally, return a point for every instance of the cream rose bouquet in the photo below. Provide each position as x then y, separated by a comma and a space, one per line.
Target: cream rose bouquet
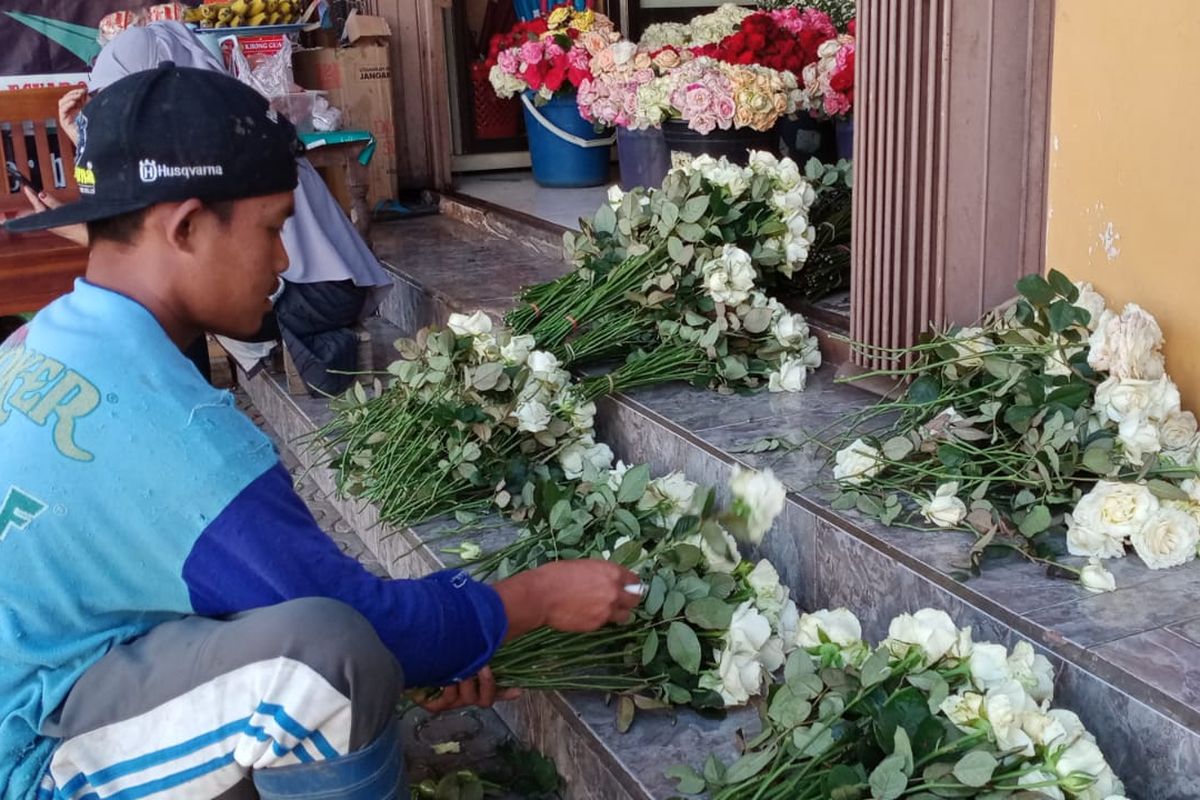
680, 277
926, 713
1050, 429
460, 417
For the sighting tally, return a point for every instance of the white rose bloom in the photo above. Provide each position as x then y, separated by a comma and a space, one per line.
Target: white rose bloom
1107, 516
616, 475
792, 376
763, 162
1139, 436
1105, 787
787, 177
796, 250
857, 463
971, 344
517, 349
791, 330
582, 416
725, 561
964, 709
943, 508
1092, 302
1082, 756
930, 629
1120, 398
485, 347
964, 647
1128, 345
732, 177
600, 456
1033, 671
764, 579
791, 204
1168, 539
788, 626
1072, 727
1032, 779
730, 277
1192, 487
739, 676
615, 196
989, 666
759, 498
673, 495
475, 324
1004, 707
1042, 728
1178, 432
544, 367
571, 458
1095, 578
838, 625
532, 417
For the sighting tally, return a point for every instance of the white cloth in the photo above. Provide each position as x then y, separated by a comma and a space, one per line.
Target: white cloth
321, 242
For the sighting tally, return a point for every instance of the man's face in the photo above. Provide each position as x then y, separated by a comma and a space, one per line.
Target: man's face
243, 259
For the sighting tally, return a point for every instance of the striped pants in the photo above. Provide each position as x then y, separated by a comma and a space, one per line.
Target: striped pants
201, 708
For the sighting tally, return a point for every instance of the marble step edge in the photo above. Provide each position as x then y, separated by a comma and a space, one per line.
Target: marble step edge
1152, 722
829, 561
576, 729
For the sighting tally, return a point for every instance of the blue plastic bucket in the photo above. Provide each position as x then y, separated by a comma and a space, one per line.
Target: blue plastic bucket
645, 157
564, 147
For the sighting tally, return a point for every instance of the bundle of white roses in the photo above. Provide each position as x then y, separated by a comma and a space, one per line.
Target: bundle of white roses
681, 275
712, 627
927, 713
1052, 428
703, 29
466, 414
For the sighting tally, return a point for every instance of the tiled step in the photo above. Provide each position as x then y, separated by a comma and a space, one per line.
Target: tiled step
1128, 662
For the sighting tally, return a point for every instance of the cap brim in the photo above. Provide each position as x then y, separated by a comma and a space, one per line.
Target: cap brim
72, 214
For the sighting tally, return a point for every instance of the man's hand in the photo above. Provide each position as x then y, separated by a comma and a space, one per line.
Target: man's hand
576, 596
478, 691
69, 106
42, 202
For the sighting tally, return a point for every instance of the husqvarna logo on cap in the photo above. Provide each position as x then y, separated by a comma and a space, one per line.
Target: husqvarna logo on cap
150, 170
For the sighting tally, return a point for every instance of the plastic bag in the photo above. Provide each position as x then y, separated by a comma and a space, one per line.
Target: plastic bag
324, 116
271, 77
113, 24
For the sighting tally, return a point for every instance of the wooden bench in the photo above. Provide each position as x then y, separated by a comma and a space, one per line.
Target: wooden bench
35, 268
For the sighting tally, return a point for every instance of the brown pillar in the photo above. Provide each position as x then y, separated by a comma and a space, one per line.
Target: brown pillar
951, 122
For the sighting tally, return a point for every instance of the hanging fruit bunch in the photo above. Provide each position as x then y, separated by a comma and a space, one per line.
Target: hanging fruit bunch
245, 13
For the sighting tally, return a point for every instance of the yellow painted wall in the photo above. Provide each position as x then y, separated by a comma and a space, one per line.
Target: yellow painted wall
1124, 193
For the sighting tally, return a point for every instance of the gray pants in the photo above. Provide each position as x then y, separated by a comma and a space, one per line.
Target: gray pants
197, 705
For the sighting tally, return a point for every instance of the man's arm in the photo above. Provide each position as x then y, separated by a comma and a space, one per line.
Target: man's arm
265, 548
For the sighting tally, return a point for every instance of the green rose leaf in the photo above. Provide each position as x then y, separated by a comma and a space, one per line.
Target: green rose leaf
694, 209
1063, 285
669, 213
1167, 491
684, 647
560, 515
975, 768
656, 595
799, 664
673, 604
690, 781
788, 710
875, 669
749, 765
709, 613
757, 320
1036, 290
842, 783
903, 748
626, 524
633, 484
690, 232
1036, 520
649, 647
888, 780
714, 770
896, 448
925, 390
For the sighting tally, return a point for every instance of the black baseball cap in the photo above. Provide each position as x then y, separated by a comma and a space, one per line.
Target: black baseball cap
171, 134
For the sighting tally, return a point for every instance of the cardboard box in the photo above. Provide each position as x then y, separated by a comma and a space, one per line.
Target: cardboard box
358, 80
